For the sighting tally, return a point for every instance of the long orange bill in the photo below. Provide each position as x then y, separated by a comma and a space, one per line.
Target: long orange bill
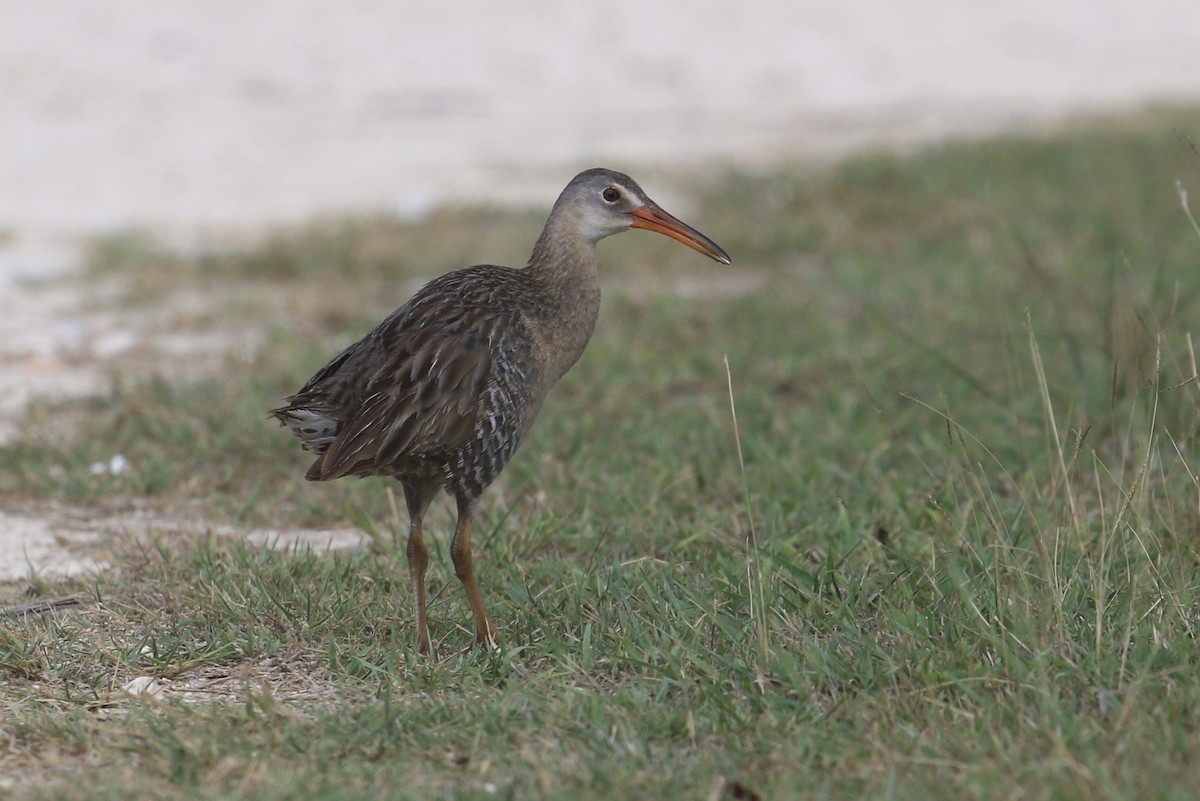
652, 218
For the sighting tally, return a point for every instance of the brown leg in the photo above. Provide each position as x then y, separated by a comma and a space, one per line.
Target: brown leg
418, 497
460, 552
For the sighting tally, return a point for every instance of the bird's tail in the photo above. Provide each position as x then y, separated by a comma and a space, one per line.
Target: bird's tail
315, 430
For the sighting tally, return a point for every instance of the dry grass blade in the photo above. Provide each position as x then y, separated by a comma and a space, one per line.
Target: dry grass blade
754, 564
40, 606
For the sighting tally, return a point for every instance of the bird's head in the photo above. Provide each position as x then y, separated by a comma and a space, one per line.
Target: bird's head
606, 202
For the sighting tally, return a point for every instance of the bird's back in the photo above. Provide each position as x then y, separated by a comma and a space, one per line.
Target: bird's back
445, 387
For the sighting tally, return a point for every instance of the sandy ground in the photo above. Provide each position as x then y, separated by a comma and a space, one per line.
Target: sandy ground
197, 119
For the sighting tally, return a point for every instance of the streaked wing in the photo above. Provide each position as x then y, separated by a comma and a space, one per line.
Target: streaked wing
414, 390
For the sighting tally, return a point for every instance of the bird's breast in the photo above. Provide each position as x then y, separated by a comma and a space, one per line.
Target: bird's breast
561, 333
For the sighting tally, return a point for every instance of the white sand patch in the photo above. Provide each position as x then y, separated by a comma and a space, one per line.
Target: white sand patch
208, 113
328, 539
45, 546
71, 541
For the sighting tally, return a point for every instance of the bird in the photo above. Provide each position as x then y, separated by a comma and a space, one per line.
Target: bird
440, 394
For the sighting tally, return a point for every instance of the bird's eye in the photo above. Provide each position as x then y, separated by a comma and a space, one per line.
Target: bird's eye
611, 195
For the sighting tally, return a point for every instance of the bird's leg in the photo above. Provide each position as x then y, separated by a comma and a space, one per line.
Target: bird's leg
418, 560
418, 497
460, 552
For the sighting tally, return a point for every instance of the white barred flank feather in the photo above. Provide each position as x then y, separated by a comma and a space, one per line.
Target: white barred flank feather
316, 431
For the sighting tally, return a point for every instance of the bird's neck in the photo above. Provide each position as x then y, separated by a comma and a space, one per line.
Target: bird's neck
565, 271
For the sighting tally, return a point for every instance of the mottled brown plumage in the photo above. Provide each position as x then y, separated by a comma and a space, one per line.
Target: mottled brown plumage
441, 393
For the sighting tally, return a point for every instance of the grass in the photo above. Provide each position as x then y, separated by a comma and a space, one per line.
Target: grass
966, 437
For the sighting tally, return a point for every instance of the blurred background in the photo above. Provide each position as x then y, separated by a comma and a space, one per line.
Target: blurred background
193, 118
205, 124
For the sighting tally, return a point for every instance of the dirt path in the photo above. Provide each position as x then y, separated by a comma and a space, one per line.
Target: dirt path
195, 119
